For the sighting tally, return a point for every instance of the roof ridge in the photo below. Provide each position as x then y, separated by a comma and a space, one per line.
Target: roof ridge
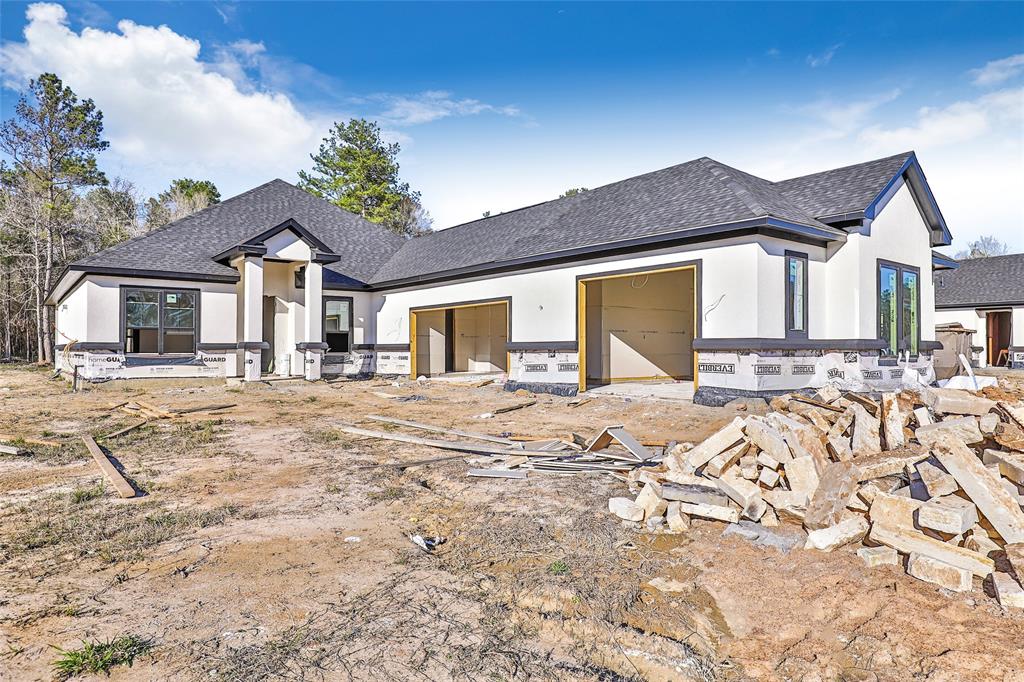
735, 185
850, 165
580, 195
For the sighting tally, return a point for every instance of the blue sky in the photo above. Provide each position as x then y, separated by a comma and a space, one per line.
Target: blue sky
501, 105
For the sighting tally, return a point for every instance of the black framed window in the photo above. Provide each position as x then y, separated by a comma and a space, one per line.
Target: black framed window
338, 324
160, 321
796, 295
899, 307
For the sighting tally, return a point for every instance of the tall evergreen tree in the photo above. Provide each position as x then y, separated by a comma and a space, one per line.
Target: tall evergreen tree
356, 170
53, 140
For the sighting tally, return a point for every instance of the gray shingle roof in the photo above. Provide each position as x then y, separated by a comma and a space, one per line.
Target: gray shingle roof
189, 245
673, 200
690, 195
997, 280
842, 190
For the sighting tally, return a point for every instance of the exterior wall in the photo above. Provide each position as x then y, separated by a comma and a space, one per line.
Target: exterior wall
544, 302
972, 318
71, 317
899, 234
92, 314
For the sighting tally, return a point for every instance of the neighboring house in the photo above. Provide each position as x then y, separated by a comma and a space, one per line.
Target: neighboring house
695, 272
987, 296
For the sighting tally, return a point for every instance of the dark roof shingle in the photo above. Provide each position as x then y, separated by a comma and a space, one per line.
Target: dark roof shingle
689, 195
997, 280
842, 190
673, 200
189, 245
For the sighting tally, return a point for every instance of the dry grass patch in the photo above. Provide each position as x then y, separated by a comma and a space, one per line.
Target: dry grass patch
82, 524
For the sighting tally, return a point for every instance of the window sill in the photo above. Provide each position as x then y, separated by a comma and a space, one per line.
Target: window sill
161, 355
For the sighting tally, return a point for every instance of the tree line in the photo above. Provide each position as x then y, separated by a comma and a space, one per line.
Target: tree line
57, 205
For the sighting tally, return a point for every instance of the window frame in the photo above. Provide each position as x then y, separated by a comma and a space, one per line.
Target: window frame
900, 268
792, 333
351, 323
123, 318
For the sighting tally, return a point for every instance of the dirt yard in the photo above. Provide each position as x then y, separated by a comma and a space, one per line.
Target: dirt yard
264, 547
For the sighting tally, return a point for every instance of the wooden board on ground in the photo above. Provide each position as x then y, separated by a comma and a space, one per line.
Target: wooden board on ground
31, 441
202, 408
510, 408
121, 432
441, 429
430, 442
120, 483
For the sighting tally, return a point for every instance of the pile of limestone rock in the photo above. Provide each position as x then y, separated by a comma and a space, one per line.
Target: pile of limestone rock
932, 479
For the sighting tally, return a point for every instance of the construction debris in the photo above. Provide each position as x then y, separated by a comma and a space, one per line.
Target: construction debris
30, 441
120, 483
922, 477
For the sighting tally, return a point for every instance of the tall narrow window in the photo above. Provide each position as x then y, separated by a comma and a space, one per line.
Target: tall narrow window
899, 293
909, 331
338, 324
796, 295
887, 310
160, 321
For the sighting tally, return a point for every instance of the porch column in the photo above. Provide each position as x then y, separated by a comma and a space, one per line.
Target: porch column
313, 337
252, 316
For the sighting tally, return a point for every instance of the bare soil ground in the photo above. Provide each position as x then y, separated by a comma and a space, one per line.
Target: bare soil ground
263, 549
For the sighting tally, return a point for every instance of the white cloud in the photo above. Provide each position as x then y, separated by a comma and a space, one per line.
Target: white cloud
816, 60
161, 104
999, 70
955, 123
837, 119
169, 113
433, 105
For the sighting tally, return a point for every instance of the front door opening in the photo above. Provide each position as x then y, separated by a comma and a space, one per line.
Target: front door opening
998, 338
469, 338
637, 327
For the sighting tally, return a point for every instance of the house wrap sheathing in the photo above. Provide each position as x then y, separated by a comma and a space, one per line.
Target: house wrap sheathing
696, 272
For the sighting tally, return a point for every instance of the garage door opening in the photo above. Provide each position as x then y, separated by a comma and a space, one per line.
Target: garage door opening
637, 327
461, 339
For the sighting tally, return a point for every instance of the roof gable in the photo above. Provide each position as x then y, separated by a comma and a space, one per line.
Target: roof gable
193, 244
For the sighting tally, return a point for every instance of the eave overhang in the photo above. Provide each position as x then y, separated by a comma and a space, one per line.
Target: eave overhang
912, 173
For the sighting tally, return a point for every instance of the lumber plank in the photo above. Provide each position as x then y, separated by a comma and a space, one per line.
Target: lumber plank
441, 429
157, 412
120, 483
31, 441
202, 408
510, 408
430, 442
121, 432
12, 450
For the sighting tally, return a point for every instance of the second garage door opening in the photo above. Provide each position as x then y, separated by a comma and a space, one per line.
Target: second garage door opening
637, 327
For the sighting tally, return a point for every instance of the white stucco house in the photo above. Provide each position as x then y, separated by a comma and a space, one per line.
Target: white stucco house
698, 272
986, 295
